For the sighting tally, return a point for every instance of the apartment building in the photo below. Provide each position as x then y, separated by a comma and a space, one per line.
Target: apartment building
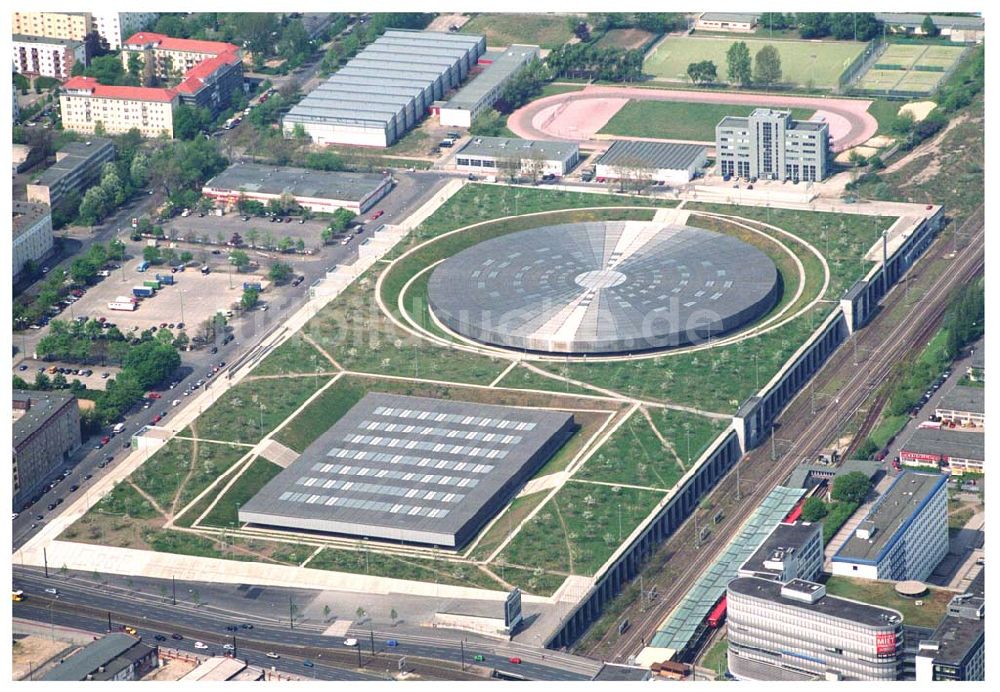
796, 632
77, 167
904, 536
46, 433
114, 27
70, 26
32, 231
37, 56
770, 145
85, 103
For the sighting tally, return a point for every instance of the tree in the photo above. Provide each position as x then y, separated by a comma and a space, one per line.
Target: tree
280, 272
340, 220
393, 615
135, 63
767, 66
489, 123
703, 72
250, 298
150, 363
152, 254
240, 260
852, 487
738, 63
928, 27
813, 509
814, 24
360, 612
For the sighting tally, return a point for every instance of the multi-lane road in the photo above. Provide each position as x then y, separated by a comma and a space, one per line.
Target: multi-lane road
84, 604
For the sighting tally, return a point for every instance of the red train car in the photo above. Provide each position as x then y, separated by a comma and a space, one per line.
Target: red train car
718, 614
795, 514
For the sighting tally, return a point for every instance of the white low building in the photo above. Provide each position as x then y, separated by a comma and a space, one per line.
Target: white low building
506, 156
37, 56
662, 162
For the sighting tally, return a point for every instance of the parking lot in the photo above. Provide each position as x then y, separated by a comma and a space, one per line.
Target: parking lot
29, 368
216, 229
194, 298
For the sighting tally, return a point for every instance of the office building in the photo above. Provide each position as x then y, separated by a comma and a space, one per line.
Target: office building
505, 156
904, 536
37, 56
956, 650
384, 90
114, 27
71, 26
953, 451
737, 22
473, 99
77, 167
796, 632
112, 658
770, 145
323, 191
32, 231
791, 551
411, 469
667, 163
963, 406
46, 433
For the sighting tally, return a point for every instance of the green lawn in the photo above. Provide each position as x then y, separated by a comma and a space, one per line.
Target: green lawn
716, 658
533, 581
511, 517
255, 477
321, 414
689, 434
577, 530
547, 31
882, 593
687, 121
522, 378
403, 567
821, 62
633, 455
125, 501
294, 356
254, 408
166, 472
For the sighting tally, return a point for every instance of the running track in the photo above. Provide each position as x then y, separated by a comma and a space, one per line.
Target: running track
569, 117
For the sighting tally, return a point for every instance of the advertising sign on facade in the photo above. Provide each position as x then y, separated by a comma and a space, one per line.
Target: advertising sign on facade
885, 643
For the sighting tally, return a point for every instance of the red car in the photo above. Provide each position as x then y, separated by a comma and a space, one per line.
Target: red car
377, 214
153, 395
105, 440
156, 419
515, 659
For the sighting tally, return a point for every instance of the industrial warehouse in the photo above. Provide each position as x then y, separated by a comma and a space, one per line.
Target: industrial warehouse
320, 191
663, 162
386, 89
411, 469
483, 91
954, 451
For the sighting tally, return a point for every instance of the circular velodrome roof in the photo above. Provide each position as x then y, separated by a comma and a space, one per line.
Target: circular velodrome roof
603, 287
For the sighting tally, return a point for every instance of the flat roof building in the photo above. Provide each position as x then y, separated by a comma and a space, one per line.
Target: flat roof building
952, 450
484, 90
664, 162
77, 167
411, 469
956, 650
46, 433
113, 657
808, 475
904, 536
792, 551
322, 191
739, 22
504, 155
794, 631
770, 145
40, 56
32, 233
959, 28
420, 66
963, 405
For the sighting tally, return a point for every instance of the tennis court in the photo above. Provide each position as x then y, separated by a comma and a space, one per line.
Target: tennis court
912, 68
822, 62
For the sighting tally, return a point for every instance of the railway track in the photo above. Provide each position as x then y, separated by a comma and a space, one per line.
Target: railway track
805, 433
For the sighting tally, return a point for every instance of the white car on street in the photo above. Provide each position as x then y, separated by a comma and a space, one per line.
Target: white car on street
350, 642
200, 645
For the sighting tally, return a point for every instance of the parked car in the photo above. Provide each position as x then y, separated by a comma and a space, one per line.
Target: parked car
351, 642
271, 654
308, 664
200, 645
177, 637
515, 659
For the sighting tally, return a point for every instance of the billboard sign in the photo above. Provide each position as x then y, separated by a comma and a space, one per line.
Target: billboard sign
885, 643
512, 610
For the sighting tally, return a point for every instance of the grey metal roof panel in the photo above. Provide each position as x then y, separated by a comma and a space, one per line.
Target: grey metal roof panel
506, 146
350, 96
357, 84
440, 36
737, 17
389, 62
905, 498
92, 657
494, 74
425, 54
410, 466
653, 154
300, 182
963, 445
438, 47
43, 406
941, 21
964, 398
321, 113
401, 78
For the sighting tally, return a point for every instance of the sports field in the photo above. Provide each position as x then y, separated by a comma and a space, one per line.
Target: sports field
914, 68
674, 120
543, 30
801, 61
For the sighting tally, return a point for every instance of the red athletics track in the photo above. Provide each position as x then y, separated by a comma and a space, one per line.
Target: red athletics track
577, 116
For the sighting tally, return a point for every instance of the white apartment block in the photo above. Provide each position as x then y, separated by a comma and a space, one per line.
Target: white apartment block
904, 536
115, 27
85, 103
36, 56
32, 231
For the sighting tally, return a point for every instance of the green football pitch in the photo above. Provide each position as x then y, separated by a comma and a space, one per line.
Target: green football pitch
801, 61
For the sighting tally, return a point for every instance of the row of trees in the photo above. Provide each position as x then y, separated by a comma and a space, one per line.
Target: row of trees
345, 47
526, 85
653, 22
844, 26
765, 68
587, 61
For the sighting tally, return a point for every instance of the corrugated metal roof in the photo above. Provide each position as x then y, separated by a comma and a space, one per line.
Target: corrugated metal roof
92, 657
940, 21
658, 155
470, 40
472, 94
963, 445
964, 398
422, 53
300, 182
500, 146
